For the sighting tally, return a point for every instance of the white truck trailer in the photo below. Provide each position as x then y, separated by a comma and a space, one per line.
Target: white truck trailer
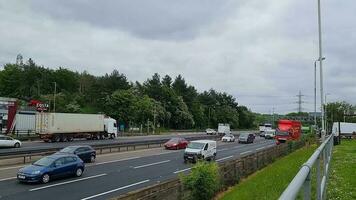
224, 129
56, 127
343, 129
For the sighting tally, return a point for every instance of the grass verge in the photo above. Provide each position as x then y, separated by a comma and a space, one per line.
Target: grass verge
270, 182
342, 180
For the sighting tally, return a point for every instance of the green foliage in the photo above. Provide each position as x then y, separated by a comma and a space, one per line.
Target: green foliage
270, 182
203, 181
172, 102
342, 181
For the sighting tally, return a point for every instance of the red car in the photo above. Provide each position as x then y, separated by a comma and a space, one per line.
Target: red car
176, 143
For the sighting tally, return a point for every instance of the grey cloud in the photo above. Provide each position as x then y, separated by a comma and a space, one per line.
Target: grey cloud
152, 19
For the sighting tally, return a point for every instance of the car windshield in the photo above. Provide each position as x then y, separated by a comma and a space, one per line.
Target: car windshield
175, 140
282, 133
68, 150
196, 145
46, 161
243, 135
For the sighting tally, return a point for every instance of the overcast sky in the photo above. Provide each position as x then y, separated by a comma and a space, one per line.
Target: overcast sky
260, 51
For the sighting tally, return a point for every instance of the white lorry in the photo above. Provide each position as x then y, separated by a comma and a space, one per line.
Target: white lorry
343, 129
200, 149
56, 127
224, 129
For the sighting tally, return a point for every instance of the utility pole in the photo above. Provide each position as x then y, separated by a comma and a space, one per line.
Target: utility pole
154, 119
54, 97
300, 102
321, 73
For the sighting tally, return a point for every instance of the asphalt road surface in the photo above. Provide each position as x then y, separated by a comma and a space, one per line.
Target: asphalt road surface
118, 173
40, 145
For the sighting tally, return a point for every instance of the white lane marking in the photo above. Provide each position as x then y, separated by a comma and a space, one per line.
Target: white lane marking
272, 145
12, 167
246, 152
147, 165
183, 170
221, 159
163, 153
114, 190
112, 161
63, 183
260, 148
5, 179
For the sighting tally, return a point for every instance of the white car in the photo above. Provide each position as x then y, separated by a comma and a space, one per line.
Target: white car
228, 138
210, 131
6, 141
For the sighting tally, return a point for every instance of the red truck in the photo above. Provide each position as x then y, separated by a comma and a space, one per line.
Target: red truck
288, 130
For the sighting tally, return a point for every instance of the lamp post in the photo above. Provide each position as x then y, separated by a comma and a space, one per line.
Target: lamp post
54, 97
321, 73
326, 115
315, 122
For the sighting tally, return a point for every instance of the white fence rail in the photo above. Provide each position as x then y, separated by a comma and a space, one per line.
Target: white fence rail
321, 159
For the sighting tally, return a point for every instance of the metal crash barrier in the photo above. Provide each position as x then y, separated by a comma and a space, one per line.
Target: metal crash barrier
321, 159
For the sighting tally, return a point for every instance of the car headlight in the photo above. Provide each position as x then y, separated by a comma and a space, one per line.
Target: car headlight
36, 172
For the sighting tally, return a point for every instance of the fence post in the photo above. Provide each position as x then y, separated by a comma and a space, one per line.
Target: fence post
318, 179
307, 186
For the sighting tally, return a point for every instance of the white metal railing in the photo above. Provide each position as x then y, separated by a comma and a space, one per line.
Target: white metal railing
321, 159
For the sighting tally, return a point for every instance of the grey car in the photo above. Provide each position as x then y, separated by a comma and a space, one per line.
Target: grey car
246, 138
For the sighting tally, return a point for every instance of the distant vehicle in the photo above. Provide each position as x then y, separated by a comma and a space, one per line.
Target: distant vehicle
343, 129
52, 167
224, 129
62, 127
270, 134
200, 149
246, 138
7, 141
210, 131
84, 152
288, 130
176, 143
264, 127
228, 138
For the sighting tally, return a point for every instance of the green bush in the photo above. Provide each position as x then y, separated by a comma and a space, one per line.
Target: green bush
203, 181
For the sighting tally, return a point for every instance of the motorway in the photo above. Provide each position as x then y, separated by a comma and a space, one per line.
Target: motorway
40, 145
118, 173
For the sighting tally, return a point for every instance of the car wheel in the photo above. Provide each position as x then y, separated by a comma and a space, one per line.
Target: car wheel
92, 158
17, 145
79, 172
45, 178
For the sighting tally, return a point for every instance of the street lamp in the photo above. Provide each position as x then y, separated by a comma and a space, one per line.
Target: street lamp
54, 97
315, 89
326, 115
321, 72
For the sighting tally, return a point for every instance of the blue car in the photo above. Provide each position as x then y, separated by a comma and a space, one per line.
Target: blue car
52, 167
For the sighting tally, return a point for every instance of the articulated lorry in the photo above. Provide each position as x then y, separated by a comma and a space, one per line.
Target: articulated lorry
62, 127
288, 130
343, 129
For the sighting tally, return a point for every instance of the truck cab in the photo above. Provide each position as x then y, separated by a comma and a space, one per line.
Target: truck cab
110, 127
200, 149
288, 130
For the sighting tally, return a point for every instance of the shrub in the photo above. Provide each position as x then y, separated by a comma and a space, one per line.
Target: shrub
203, 181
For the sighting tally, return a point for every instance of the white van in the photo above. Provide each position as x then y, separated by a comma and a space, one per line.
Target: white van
200, 149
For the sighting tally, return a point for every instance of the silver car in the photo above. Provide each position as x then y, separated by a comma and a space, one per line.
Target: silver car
6, 141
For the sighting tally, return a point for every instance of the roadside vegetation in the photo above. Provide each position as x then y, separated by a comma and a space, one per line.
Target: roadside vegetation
342, 180
171, 102
270, 182
203, 182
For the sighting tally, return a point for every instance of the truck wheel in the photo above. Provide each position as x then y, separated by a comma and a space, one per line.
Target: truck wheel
112, 136
69, 138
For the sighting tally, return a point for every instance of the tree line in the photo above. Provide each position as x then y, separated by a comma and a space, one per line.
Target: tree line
158, 101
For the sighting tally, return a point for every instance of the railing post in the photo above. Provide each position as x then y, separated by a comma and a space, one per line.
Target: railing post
307, 187
318, 179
